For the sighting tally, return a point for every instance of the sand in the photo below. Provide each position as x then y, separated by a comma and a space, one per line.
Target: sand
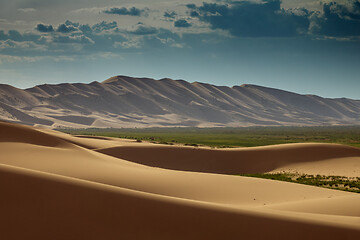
56, 186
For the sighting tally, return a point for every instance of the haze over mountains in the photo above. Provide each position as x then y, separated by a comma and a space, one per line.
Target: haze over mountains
123, 101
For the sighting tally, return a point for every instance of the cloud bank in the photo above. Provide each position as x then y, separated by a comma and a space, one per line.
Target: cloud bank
133, 11
253, 19
182, 23
268, 19
240, 19
339, 20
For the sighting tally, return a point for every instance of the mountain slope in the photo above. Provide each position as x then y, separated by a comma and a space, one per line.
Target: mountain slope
123, 101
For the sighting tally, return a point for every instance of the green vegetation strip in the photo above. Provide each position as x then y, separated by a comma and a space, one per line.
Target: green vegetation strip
231, 137
333, 182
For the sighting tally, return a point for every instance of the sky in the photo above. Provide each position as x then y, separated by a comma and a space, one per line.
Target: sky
303, 46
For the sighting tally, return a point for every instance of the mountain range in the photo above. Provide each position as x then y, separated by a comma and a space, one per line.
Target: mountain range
123, 101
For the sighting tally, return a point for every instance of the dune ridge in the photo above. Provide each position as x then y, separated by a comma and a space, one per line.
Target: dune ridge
56, 186
123, 101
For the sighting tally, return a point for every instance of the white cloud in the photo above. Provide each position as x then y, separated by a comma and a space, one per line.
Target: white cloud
104, 55
64, 58
25, 45
133, 43
12, 59
26, 10
95, 10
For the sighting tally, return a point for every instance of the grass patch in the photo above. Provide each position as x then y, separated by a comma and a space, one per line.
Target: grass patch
351, 184
231, 137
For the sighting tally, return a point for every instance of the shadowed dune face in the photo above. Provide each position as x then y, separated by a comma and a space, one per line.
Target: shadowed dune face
17, 133
123, 101
234, 161
56, 186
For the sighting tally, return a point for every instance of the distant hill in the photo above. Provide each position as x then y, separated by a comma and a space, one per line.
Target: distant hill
123, 101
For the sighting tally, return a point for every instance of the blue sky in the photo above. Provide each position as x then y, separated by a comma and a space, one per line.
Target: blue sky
309, 47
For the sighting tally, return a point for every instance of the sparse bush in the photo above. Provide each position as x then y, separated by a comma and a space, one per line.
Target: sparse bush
341, 182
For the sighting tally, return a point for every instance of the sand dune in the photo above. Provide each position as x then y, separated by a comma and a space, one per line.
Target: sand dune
123, 101
56, 186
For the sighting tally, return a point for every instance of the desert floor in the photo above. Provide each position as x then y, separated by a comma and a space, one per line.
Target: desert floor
58, 186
